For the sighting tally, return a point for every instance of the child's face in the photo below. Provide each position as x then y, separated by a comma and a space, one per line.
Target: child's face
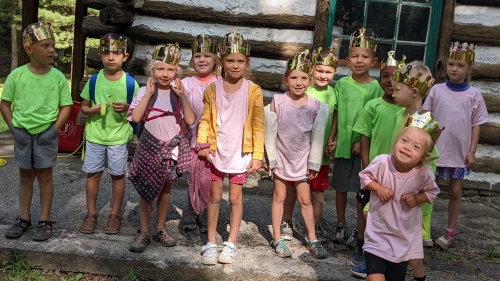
164, 73
113, 61
322, 75
385, 80
235, 65
403, 95
360, 60
43, 52
410, 147
297, 82
457, 70
204, 63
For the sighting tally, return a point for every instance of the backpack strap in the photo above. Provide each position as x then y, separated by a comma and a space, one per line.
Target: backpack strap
130, 87
92, 81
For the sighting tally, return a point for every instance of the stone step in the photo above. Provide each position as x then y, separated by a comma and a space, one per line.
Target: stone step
490, 132
476, 184
487, 159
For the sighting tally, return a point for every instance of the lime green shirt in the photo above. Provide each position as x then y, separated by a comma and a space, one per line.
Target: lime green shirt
376, 122
351, 98
111, 128
326, 96
36, 98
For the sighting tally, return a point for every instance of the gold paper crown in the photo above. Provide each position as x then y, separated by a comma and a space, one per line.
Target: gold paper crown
328, 59
300, 62
203, 44
113, 42
403, 75
466, 52
170, 53
233, 43
362, 41
425, 121
391, 61
37, 32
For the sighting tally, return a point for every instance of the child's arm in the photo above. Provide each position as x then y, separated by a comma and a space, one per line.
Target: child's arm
332, 139
470, 159
90, 110
64, 112
189, 115
428, 191
204, 125
257, 132
385, 194
365, 151
5, 109
369, 176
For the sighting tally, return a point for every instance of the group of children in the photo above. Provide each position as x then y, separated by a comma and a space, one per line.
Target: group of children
378, 133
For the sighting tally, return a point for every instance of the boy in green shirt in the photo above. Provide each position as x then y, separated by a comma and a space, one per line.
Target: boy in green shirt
107, 131
41, 102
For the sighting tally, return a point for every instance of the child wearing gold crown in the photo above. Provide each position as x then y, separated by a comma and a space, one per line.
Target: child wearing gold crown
107, 131
295, 149
352, 93
163, 151
461, 109
399, 183
232, 123
36, 102
204, 62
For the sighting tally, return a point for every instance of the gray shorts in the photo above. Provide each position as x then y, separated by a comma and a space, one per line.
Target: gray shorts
95, 155
35, 151
346, 174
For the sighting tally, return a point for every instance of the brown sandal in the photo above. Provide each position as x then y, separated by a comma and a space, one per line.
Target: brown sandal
114, 224
88, 224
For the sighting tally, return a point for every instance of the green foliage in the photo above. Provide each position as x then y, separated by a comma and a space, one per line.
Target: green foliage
19, 268
132, 275
7, 17
491, 254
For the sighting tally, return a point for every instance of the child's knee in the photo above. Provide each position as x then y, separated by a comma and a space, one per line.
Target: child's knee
235, 199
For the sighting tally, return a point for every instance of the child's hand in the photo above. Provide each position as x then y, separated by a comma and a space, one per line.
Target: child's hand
120, 107
470, 159
95, 109
330, 148
150, 87
409, 199
385, 194
179, 88
356, 148
265, 166
254, 165
204, 154
311, 174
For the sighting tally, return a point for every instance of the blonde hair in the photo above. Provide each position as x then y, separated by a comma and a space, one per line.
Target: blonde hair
427, 145
215, 70
419, 66
153, 64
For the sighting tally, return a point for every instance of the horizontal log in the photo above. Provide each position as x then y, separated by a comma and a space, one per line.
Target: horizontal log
488, 72
494, 3
169, 10
490, 133
486, 165
491, 94
93, 28
101, 4
115, 16
261, 49
477, 34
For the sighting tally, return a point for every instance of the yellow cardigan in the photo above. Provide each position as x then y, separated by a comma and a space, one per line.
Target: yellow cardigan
253, 134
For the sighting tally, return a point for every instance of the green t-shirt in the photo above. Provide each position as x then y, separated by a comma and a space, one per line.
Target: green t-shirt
376, 122
326, 96
112, 128
36, 98
351, 98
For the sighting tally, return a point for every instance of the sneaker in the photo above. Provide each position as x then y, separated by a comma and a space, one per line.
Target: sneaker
359, 270
428, 243
445, 241
316, 249
353, 240
286, 229
209, 254
340, 234
18, 229
320, 232
359, 256
141, 241
43, 231
281, 248
165, 239
189, 221
203, 223
228, 253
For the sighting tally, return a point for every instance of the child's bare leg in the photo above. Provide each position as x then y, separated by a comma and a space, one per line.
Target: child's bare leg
92, 189
318, 200
236, 213
304, 197
118, 193
341, 205
375, 277
455, 193
360, 221
289, 204
45, 180
418, 268
279, 199
162, 205
144, 213
213, 210
26, 179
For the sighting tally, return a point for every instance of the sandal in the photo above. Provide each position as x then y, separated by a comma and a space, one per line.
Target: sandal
316, 249
281, 248
228, 253
114, 224
18, 229
165, 239
141, 241
88, 224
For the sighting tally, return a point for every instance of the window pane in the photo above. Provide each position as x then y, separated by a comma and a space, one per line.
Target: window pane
382, 49
418, 1
382, 19
349, 15
413, 23
344, 48
411, 52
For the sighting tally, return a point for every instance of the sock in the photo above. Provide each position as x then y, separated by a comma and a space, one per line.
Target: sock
360, 242
451, 231
420, 278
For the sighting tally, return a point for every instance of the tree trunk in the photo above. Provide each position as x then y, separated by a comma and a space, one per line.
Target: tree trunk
13, 35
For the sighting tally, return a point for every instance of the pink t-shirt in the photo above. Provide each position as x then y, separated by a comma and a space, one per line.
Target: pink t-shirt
194, 89
458, 112
394, 230
163, 128
295, 124
232, 111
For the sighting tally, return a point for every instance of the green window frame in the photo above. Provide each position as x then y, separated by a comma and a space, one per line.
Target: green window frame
431, 39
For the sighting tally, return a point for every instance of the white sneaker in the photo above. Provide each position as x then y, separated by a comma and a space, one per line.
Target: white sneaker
228, 253
428, 243
286, 229
209, 253
445, 241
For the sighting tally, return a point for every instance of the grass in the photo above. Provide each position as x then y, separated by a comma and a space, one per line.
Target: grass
491, 254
